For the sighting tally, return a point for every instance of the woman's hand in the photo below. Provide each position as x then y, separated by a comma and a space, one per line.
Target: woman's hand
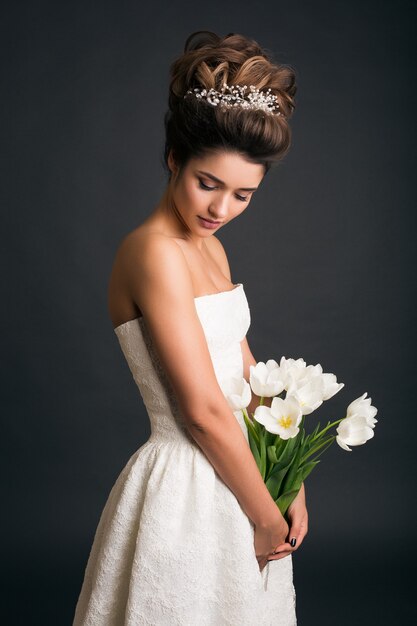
268, 536
298, 527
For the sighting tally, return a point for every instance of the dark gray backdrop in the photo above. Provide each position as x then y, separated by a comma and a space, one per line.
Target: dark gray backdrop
326, 252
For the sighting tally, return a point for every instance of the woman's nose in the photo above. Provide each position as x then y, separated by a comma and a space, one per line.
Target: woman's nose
219, 208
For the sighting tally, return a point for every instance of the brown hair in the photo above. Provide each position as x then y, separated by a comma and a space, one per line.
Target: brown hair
193, 126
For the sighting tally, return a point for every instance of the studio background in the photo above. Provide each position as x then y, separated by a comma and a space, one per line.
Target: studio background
326, 251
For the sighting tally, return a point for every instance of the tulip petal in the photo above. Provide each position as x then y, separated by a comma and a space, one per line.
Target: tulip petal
262, 414
342, 444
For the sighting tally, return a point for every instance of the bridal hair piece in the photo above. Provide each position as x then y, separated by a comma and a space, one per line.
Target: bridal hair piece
227, 94
236, 96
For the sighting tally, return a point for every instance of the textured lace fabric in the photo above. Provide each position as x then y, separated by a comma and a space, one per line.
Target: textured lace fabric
173, 547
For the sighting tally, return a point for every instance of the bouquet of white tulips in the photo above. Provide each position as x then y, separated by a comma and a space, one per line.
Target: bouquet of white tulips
284, 452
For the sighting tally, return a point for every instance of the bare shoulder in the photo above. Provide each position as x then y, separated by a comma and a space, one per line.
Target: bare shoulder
218, 252
153, 263
143, 247
145, 263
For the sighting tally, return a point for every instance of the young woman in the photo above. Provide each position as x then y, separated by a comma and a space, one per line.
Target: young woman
190, 534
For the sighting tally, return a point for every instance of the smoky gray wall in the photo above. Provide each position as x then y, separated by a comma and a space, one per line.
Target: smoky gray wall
326, 252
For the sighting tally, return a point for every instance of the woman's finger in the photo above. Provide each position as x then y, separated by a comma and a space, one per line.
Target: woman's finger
301, 535
283, 546
280, 555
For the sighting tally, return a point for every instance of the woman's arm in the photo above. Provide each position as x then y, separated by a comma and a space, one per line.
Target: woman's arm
297, 513
160, 283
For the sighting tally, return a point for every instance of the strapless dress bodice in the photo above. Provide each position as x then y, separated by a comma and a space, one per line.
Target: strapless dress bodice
225, 319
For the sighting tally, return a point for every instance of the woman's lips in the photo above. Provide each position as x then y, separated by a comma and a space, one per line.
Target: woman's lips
208, 224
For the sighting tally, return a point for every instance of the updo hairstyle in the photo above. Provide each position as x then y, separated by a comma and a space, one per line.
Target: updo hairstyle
194, 127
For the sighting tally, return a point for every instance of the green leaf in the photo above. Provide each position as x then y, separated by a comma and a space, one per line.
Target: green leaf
276, 467
285, 500
315, 431
274, 482
254, 449
284, 459
272, 454
320, 445
325, 447
258, 427
305, 470
291, 475
251, 429
269, 438
279, 443
288, 449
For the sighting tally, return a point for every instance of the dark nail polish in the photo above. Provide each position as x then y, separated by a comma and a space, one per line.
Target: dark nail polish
293, 541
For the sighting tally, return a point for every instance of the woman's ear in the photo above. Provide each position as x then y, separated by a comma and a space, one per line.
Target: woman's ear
172, 165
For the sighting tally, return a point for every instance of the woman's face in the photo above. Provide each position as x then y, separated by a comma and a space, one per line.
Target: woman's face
216, 187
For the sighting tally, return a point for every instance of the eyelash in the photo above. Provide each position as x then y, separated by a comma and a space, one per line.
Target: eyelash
207, 188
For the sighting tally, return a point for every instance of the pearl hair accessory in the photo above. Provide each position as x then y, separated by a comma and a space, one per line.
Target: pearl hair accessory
236, 97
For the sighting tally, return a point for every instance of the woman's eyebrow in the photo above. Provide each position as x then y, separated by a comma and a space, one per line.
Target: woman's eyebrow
217, 180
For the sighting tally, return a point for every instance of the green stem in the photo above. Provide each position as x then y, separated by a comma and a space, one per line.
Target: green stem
327, 428
315, 450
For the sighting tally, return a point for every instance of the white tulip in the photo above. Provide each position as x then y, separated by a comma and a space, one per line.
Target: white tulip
238, 392
331, 386
266, 379
299, 376
353, 431
362, 406
309, 394
307, 373
282, 418
291, 368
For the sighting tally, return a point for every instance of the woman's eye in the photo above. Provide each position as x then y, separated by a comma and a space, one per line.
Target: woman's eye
203, 186
208, 188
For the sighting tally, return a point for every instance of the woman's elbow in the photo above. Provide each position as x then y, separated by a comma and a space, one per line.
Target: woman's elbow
205, 416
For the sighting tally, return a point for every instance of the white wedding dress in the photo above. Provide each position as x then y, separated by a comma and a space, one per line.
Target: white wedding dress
173, 546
